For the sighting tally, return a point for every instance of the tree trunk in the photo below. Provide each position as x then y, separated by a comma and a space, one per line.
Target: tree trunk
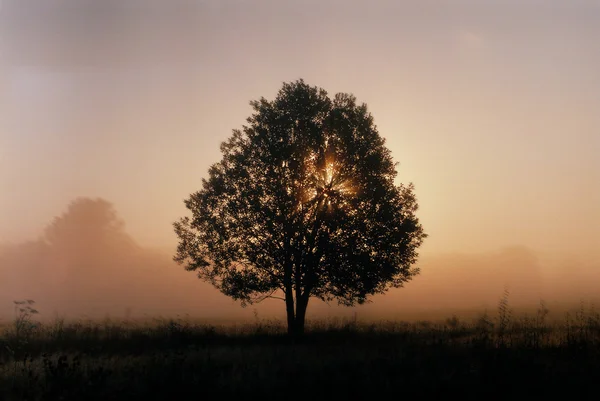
289, 308
295, 318
301, 305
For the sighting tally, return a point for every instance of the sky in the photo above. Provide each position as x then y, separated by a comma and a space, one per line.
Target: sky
490, 107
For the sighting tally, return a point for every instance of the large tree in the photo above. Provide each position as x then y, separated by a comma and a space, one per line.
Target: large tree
303, 204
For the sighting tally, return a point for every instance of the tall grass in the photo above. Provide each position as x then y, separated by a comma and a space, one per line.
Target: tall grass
498, 352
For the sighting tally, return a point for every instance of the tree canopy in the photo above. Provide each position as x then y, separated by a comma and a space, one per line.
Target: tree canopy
89, 222
303, 203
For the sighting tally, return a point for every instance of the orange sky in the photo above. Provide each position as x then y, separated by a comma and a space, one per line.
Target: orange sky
491, 107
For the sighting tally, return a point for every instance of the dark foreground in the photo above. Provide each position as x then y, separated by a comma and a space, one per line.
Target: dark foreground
488, 359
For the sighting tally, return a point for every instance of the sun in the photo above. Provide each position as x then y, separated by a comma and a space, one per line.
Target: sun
328, 186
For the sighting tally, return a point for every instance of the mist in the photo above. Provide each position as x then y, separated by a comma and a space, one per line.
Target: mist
113, 113
490, 109
85, 264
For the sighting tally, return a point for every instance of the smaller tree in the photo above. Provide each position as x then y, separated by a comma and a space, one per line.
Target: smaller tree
87, 223
90, 253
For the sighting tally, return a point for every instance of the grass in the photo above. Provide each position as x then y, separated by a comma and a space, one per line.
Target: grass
499, 356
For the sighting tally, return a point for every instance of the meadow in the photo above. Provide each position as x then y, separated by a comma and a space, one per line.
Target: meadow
499, 355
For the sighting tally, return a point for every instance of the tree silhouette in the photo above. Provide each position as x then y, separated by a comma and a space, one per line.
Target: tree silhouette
91, 254
88, 229
303, 202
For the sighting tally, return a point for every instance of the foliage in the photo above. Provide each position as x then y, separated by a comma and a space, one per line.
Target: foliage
342, 358
304, 202
85, 216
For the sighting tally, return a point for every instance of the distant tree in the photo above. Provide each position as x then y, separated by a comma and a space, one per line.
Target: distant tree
303, 202
93, 260
88, 226
89, 247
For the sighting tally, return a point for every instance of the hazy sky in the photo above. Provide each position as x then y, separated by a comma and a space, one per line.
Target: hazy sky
491, 107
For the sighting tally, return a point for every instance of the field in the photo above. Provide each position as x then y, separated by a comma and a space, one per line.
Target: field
499, 356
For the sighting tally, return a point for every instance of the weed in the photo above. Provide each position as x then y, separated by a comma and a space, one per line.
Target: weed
176, 358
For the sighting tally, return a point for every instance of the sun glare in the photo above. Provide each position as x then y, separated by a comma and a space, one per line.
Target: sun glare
327, 185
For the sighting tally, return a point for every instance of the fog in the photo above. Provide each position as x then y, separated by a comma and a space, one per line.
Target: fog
85, 265
490, 109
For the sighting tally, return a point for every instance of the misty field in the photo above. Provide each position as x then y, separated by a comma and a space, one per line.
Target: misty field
496, 356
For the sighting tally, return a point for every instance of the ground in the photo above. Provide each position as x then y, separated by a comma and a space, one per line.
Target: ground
496, 357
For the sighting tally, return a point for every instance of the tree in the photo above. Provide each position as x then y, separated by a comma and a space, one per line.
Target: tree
91, 255
89, 229
302, 204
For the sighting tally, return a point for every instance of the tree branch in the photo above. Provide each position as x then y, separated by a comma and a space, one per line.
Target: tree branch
260, 299
270, 296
